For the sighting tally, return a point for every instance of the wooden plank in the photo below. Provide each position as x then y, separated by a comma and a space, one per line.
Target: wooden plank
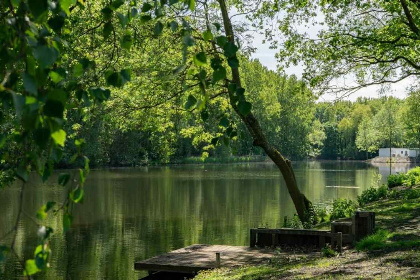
294, 231
252, 238
201, 257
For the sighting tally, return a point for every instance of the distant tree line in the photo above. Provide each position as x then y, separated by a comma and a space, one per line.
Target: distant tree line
300, 126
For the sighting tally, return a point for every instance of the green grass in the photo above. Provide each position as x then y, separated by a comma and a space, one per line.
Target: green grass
243, 273
382, 240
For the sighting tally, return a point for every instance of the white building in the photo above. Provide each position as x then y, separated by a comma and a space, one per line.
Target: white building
399, 152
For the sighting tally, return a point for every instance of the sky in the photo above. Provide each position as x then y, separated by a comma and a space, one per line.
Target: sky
267, 57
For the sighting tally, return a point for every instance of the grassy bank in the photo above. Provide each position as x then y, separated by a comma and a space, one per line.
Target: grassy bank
230, 159
393, 252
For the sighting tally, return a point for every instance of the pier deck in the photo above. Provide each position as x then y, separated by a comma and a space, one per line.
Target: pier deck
198, 257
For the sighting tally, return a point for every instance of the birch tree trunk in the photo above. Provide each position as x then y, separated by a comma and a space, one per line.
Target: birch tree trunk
302, 204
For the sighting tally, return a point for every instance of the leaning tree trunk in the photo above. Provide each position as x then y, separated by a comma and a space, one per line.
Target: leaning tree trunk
302, 204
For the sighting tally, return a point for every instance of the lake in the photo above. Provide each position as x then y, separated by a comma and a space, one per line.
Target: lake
131, 214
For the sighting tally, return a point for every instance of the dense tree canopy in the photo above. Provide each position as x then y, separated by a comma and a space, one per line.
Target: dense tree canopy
128, 82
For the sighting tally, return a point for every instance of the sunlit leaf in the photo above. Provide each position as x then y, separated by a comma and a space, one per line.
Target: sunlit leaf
30, 267
59, 137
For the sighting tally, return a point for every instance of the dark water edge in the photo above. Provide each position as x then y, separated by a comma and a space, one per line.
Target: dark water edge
131, 214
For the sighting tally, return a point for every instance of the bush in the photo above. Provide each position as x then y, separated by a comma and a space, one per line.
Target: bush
328, 252
411, 193
321, 214
396, 180
342, 208
367, 196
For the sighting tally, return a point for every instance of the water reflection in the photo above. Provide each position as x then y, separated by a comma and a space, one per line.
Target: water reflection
133, 214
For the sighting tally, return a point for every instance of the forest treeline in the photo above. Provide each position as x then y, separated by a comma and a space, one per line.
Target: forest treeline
117, 133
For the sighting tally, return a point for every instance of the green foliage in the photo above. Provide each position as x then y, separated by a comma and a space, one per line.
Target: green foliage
372, 194
342, 208
328, 252
396, 180
375, 241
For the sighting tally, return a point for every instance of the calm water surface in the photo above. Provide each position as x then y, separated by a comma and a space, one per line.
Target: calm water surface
133, 214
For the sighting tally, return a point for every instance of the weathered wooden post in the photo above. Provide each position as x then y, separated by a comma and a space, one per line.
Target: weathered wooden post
340, 242
273, 240
252, 238
363, 224
217, 259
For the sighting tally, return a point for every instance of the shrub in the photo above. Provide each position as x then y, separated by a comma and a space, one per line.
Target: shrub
293, 222
382, 192
342, 208
328, 252
367, 196
321, 214
395, 180
411, 193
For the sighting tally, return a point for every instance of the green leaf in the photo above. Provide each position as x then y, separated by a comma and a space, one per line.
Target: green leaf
123, 19
108, 27
19, 102
233, 62
54, 108
200, 59
116, 4
29, 83
191, 4
42, 212
77, 195
3, 251
217, 25
126, 41
107, 13
219, 74
172, 2
158, 28
190, 102
146, 7
67, 220
214, 141
41, 137
79, 143
224, 122
134, 12
30, 265
38, 8
125, 75
65, 5
221, 41
179, 69
244, 107
45, 55
59, 137
230, 49
204, 115
113, 79
173, 25
63, 178
207, 35
23, 173
188, 40
56, 23
100, 94
78, 70
55, 76
145, 18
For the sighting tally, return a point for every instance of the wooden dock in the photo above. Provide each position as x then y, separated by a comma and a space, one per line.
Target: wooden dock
198, 257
